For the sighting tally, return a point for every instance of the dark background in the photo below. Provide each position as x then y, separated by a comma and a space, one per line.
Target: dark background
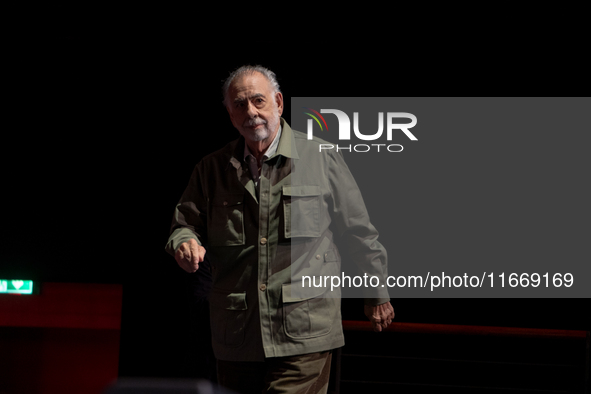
111, 110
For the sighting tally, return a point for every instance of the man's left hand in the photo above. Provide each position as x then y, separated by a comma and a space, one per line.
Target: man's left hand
380, 316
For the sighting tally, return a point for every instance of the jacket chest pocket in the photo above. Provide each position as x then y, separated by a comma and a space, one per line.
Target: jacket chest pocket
226, 220
301, 209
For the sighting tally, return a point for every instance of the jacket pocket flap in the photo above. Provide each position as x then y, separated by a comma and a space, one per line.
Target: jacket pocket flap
301, 190
231, 301
229, 200
296, 293
331, 256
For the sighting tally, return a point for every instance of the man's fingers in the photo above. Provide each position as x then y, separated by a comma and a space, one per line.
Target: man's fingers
380, 316
189, 255
197, 254
381, 325
201, 253
389, 314
194, 247
185, 265
180, 254
184, 262
184, 251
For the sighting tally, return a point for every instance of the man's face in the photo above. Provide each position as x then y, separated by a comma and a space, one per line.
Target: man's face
253, 107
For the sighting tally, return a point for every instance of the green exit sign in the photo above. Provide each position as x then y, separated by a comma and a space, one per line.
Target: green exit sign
16, 286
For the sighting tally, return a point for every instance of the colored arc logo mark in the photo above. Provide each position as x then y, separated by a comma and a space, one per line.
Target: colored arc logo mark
316, 119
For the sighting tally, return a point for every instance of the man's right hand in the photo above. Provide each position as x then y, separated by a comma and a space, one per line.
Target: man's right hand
189, 255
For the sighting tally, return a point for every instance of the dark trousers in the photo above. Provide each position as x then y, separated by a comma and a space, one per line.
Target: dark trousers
302, 374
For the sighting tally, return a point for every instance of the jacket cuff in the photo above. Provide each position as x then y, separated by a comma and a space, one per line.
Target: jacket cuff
178, 237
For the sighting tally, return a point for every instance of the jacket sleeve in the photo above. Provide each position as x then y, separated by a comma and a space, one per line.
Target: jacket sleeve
190, 215
353, 227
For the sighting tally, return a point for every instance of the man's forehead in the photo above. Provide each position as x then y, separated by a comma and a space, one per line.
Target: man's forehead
246, 96
249, 85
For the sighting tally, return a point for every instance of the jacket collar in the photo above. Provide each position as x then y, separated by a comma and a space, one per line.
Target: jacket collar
287, 146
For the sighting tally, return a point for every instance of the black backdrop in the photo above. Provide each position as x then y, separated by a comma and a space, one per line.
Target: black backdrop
110, 114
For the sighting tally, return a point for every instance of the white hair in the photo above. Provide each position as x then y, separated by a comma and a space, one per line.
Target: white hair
245, 70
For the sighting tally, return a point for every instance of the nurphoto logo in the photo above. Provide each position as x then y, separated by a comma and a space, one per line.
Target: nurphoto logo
345, 129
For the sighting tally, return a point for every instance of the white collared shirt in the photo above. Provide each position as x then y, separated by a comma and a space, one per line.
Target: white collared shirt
251, 161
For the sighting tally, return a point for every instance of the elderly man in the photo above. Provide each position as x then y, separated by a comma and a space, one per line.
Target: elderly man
265, 208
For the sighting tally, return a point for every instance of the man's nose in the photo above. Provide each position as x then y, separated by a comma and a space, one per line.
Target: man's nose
251, 110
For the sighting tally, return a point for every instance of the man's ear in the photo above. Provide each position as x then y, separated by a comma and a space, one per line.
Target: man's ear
279, 101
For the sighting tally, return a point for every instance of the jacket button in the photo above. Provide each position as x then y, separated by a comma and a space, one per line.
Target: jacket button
225, 203
318, 257
263, 287
263, 241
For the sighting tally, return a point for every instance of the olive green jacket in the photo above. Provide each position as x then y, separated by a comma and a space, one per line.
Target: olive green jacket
261, 242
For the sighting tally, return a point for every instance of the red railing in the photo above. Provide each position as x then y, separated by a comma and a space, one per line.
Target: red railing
424, 328
572, 336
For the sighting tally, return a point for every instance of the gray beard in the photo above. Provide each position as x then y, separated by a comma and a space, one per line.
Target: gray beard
260, 134
265, 132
